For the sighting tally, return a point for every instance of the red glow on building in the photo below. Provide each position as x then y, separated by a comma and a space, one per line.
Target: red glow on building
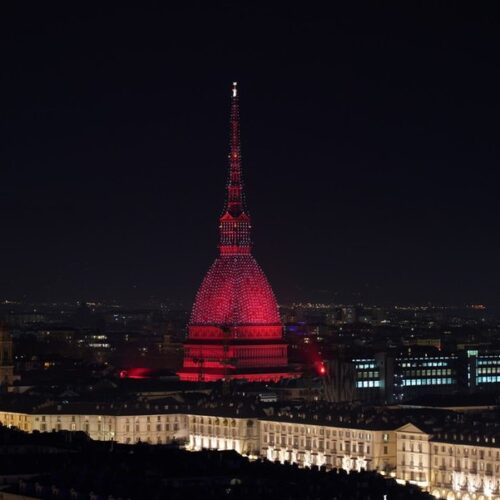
146, 373
235, 331
136, 373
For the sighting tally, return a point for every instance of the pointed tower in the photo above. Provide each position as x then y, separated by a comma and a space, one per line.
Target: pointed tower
235, 330
6, 363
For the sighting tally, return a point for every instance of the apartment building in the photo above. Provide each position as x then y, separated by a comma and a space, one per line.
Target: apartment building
125, 423
223, 433
454, 463
413, 455
349, 448
297, 439
451, 455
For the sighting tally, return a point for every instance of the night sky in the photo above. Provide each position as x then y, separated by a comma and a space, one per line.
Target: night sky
370, 148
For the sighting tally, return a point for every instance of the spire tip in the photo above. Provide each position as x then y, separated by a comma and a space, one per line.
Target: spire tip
235, 89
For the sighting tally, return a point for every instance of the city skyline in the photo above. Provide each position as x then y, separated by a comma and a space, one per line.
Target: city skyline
297, 300
371, 149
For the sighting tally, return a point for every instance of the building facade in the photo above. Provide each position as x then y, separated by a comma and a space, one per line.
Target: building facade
453, 464
348, 448
456, 463
388, 378
223, 433
301, 443
125, 423
413, 455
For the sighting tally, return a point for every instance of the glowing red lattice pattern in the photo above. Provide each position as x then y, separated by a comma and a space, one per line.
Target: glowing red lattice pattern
235, 291
235, 329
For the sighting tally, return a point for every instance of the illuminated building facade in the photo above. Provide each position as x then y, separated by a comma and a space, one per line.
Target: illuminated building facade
452, 459
235, 331
223, 433
413, 455
454, 464
367, 373
483, 369
126, 423
416, 375
332, 446
392, 379
304, 444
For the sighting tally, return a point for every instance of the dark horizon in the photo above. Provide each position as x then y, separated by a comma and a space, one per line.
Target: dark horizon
369, 140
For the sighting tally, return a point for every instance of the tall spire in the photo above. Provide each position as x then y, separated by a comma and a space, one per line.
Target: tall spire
235, 222
235, 331
235, 202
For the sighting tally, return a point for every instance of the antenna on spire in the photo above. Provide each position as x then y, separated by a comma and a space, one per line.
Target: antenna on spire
235, 221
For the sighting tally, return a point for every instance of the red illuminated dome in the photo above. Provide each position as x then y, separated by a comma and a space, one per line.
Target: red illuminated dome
235, 330
235, 291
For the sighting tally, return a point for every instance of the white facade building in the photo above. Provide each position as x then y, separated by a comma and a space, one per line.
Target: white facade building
449, 463
349, 448
223, 433
125, 424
